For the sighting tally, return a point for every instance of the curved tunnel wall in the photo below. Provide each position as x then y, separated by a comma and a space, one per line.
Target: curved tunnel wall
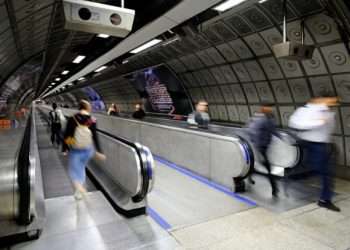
230, 63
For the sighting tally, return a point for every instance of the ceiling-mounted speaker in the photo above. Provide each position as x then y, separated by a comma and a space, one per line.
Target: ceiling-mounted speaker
98, 18
290, 49
293, 51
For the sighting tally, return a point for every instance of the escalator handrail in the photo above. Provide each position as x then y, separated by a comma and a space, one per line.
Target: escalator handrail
144, 165
243, 144
23, 177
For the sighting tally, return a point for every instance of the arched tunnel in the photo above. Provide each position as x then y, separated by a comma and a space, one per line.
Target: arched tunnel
226, 58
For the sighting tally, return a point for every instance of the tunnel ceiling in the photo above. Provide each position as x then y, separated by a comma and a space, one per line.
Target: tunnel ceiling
35, 28
228, 60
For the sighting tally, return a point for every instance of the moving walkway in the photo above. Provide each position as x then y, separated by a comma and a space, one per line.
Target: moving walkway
126, 178
285, 153
217, 157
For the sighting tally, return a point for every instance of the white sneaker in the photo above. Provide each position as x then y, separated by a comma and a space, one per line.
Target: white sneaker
78, 195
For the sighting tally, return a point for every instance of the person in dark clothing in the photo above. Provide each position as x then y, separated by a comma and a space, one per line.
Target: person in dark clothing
260, 129
55, 124
139, 112
200, 116
81, 140
113, 110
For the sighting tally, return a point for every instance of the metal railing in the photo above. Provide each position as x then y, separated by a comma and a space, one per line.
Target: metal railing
25, 212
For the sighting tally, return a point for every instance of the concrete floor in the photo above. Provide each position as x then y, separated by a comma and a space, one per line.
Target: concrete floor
218, 222
93, 224
306, 227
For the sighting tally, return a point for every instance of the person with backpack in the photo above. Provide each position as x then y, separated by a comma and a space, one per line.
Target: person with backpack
315, 123
261, 128
55, 116
82, 142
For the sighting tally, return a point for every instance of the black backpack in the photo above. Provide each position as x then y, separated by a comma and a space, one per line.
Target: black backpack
54, 117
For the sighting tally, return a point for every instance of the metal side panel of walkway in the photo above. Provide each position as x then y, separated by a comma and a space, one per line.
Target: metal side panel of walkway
10, 143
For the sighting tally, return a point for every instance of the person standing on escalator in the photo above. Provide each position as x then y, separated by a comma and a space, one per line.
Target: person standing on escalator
139, 112
81, 140
113, 110
261, 128
200, 116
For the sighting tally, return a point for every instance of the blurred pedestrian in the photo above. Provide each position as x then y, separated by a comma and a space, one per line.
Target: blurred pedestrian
261, 128
113, 110
315, 123
55, 117
200, 116
82, 140
139, 112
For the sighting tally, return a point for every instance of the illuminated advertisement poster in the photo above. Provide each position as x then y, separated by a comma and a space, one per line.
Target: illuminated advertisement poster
161, 90
158, 95
95, 99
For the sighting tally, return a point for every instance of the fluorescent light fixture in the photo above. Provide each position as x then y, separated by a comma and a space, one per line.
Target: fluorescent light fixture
262, 1
81, 79
52, 84
125, 61
65, 72
79, 59
146, 46
58, 79
228, 5
103, 35
101, 68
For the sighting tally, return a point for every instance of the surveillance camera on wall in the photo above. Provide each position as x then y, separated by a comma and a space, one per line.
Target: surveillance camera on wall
98, 18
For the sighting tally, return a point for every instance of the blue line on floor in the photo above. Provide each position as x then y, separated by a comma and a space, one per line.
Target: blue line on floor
155, 216
204, 180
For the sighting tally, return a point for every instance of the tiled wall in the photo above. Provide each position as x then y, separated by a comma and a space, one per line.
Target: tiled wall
230, 63
238, 70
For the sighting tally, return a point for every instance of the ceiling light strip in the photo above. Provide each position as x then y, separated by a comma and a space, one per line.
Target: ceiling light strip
183, 11
228, 5
79, 59
146, 46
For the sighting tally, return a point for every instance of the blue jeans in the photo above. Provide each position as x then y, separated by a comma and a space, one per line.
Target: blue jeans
319, 156
77, 161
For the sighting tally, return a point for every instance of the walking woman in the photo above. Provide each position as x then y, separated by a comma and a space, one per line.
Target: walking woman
81, 140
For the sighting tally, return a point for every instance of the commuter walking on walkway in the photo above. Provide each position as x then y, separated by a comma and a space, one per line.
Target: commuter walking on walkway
315, 123
260, 129
55, 124
81, 139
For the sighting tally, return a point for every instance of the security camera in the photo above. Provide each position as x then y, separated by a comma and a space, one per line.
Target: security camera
98, 18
